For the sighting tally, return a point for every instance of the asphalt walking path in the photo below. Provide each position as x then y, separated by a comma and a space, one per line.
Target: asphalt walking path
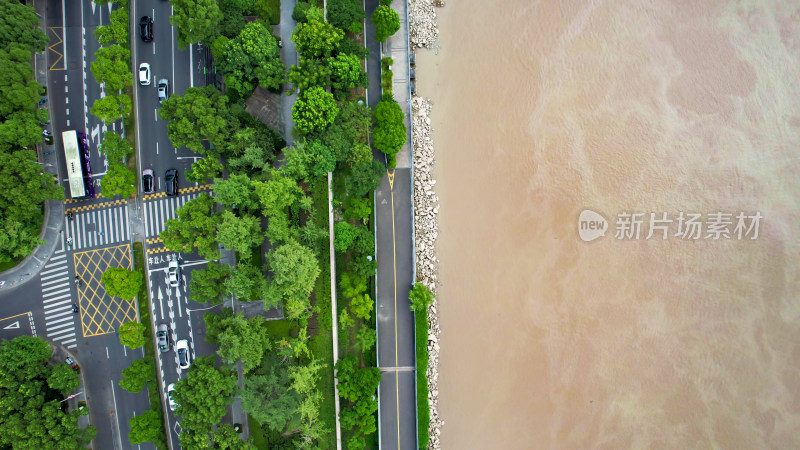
397, 413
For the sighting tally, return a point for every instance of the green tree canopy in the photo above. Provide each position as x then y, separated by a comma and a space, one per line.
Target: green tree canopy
203, 395
240, 233
308, 161
23, 190
308, 73
32, 415
244, 340
386, 21
269, 398
390, 132
208, 284
316, 38
201, 113
195, 226
226, 438
346, 71
204, 169
18, 88
116, 148
314, 109
116, 31
420, 297
135, 376
252, 58
146, 427
20, 129
247, 282
131, 334
112, 107
20, 25
122, 283
236, 192
365, 338
63, 379
119, 180
196, 20
111, 67
346, 14
295, 269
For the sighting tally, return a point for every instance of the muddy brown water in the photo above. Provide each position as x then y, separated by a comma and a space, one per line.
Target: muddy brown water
545, 108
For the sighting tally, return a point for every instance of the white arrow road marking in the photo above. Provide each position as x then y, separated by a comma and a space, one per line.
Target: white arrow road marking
12, 326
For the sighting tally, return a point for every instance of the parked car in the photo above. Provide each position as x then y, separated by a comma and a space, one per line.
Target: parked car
182, 348
163, 89
171, 397
174, 273
71, 363
144, 74
147, 180
146, 28
171, 181
162, 336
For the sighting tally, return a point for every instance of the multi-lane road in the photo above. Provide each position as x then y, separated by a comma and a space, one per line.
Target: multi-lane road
100, 233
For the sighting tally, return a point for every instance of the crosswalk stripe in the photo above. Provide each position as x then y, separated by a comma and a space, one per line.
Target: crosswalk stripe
57, 258
59, 280
57, 321
50, 288
62, 335
51, 270
59, 326
48, 309
68, 340
72, 346
60, 274
53, 299
56, 315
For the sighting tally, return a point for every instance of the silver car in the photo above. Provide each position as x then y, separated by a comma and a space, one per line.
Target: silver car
163, 89
174, 273
162, 336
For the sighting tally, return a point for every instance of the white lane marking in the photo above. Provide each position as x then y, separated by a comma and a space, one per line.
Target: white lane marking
109, 357
55, 299
66, 88
66, 100
60, 280
61, 335
191, 67
67, 122
67, 111
68, 324
55, 269
53, 287
53, 322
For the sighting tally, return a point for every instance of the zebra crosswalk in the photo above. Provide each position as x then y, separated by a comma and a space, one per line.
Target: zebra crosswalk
59, 319
157, 212
98, 227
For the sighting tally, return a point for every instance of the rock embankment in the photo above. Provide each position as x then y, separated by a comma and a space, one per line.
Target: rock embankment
426, 229
422, 30
423, 33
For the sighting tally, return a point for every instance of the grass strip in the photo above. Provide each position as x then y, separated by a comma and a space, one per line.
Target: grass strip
149, 346
423, 409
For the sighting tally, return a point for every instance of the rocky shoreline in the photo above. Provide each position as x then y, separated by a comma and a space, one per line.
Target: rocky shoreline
423, 33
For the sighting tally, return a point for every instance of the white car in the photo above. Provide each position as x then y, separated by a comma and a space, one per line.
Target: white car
144, 74
171, 397
174, 273
182, 349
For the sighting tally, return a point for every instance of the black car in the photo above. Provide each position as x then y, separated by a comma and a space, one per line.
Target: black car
146, 28
147, 180
171, 180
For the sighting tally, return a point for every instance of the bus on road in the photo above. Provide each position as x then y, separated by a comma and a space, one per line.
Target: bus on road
79, 169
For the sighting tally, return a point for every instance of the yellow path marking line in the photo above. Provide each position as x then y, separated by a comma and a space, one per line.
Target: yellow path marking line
60, 55
390, 174
11, 317
96, 206
186, 190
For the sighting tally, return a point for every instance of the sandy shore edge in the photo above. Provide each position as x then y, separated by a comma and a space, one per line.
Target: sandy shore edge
423, 33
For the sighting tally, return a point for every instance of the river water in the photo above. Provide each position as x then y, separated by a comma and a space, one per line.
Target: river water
545, 108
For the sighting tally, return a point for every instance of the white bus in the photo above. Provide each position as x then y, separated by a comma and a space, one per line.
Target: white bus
76, 156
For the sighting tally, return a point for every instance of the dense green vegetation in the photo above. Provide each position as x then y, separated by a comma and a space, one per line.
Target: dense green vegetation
421, 298
386, 21
31, 390
287, 364
23, 186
